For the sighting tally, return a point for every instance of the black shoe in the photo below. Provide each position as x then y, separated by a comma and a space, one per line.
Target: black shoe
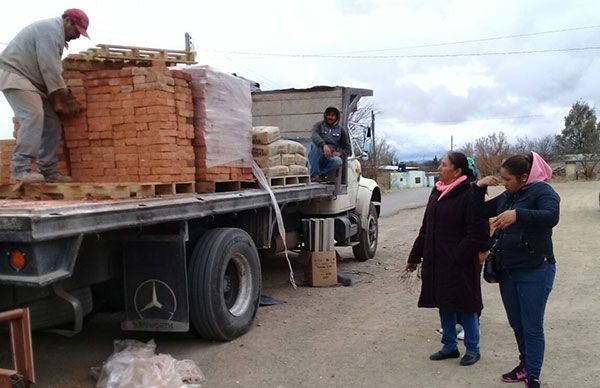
469, 359
533, 382
316, 179
444, 355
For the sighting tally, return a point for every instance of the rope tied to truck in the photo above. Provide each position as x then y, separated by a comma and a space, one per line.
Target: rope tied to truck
264, 183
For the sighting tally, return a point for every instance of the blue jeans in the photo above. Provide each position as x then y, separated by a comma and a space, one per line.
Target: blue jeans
39, 134
524, 294
320, 165
470, 323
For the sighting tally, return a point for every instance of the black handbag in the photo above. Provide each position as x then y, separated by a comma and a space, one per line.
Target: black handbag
491, 274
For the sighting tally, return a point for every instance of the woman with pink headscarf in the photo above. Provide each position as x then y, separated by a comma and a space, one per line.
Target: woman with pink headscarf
524, 217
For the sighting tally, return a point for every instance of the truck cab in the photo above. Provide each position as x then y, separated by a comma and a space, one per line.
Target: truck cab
295, 111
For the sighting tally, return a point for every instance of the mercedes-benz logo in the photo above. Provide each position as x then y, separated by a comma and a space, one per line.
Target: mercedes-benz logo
155, 299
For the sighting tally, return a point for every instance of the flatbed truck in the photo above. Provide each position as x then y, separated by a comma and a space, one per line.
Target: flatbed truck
179, 263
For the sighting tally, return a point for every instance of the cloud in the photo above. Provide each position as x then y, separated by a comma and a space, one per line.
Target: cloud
420, 102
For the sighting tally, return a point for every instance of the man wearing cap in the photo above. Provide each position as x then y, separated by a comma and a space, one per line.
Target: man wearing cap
330, 145
31, 80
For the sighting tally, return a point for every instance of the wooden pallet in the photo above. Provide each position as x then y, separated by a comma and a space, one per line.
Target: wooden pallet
69, 191
223, 186
138, 54
289, 180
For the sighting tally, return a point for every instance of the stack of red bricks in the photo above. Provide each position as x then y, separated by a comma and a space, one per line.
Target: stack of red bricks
137, 126
141, 124
7, 148
222, 125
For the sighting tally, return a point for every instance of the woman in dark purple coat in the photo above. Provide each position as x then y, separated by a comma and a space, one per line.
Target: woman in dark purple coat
450, 239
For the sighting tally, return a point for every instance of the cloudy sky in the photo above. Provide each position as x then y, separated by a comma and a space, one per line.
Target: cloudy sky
438, 68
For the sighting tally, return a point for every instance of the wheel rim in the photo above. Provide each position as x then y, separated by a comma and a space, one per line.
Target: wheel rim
237, 285
372, 233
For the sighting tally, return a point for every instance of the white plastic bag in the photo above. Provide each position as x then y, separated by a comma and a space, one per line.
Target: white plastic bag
134, 364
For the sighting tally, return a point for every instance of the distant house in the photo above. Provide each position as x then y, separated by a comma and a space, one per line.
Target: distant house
408, 179
432, 178
573, 169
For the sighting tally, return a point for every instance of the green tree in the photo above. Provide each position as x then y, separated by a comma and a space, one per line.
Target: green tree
581, 137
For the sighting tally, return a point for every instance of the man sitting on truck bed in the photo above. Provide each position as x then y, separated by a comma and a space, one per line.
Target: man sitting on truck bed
330, 145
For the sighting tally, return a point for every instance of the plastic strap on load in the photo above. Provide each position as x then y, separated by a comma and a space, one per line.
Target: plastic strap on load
262, 181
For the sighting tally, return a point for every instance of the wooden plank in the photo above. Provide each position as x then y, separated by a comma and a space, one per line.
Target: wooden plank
289, 180
185, 187
73, 191
217, 186
142, 54
164, 189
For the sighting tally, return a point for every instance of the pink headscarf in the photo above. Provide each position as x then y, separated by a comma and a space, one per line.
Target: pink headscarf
445, 189
540, 170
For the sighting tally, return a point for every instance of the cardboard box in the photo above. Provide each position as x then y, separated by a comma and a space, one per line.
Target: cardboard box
321, 270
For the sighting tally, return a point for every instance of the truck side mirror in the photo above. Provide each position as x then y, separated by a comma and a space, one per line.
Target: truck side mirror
367, 147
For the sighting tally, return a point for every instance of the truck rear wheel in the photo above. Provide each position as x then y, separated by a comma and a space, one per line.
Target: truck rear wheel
225, 279
367, 245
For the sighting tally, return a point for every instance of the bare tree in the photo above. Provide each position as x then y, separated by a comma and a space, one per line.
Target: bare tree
490, 151
467, 149
386, 155
545, 146
359, 123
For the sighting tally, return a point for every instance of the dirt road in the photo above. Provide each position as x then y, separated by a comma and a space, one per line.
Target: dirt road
372, 334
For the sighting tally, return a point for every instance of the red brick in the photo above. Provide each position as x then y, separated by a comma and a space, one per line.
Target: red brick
120, 82
99, 90
99, 105
98, 113
115, 120
125, 127
123, 112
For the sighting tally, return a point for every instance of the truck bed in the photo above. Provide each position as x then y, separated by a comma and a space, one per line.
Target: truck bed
32, 221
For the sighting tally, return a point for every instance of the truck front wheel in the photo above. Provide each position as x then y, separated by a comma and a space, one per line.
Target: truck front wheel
225, 280
368, 235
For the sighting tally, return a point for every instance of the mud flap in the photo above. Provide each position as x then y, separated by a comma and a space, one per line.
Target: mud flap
156, 286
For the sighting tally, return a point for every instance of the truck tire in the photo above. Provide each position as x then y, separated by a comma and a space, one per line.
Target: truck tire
367, 245
224, 284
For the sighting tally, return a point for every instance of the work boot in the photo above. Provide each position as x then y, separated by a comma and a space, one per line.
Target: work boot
57, 178
28, 177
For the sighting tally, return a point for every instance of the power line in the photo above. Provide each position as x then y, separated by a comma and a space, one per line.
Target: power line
549, 117
408, 56
475, 40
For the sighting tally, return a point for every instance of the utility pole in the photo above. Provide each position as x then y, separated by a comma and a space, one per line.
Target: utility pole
188, 42
452, 143
374, 175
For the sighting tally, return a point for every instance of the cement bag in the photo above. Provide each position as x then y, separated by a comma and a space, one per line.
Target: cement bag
268, 161
265, 135
300, 160
277, 147
288, 159
298, 170
276, 171
295, 148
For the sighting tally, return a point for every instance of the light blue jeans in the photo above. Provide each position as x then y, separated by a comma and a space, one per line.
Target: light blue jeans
39, 134
469, 322
320, 165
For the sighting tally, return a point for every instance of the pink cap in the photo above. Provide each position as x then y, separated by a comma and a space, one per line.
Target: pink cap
80, 19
